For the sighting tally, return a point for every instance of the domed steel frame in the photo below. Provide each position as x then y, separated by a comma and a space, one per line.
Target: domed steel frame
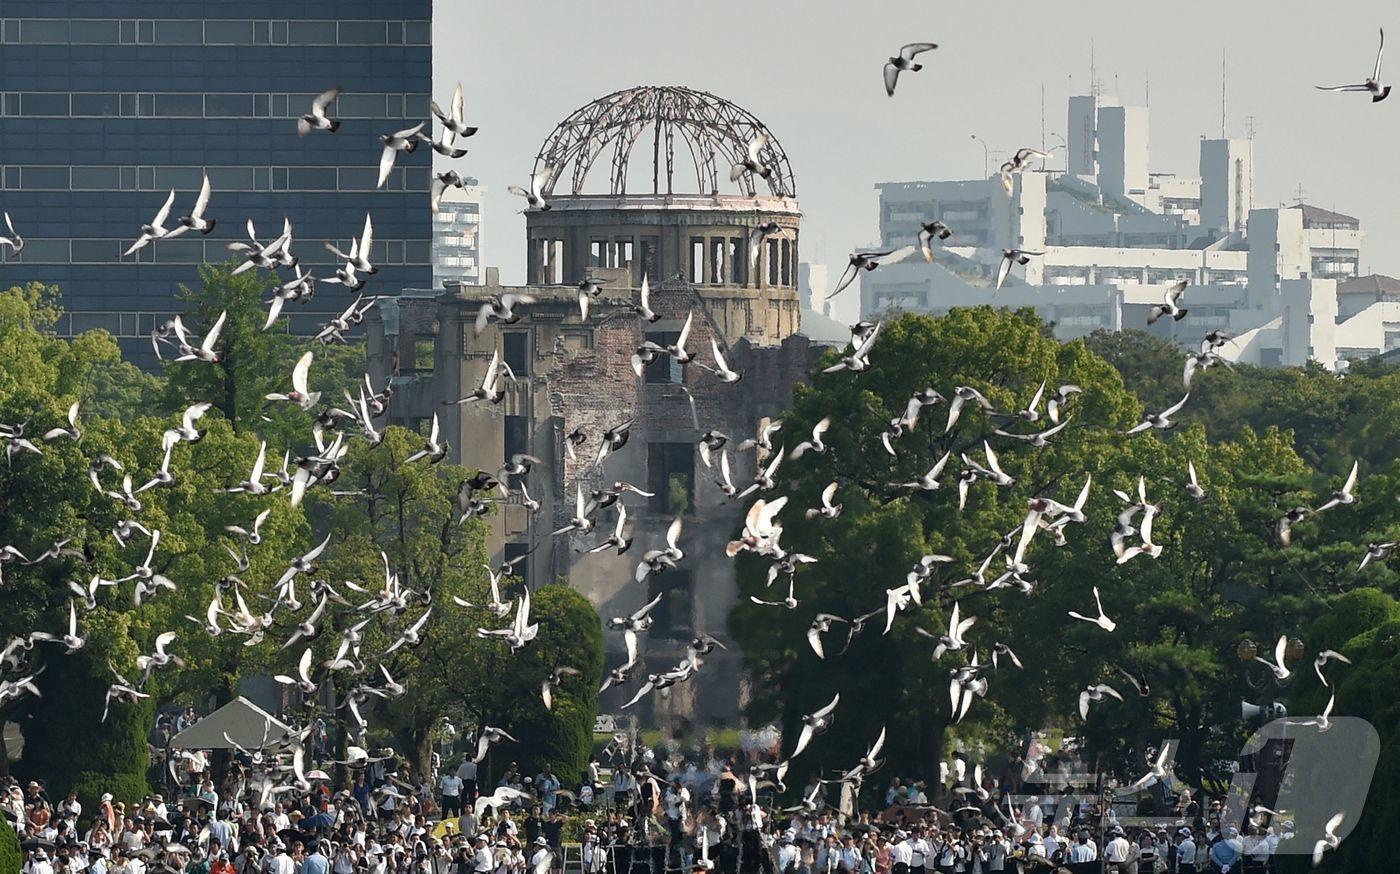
715, 131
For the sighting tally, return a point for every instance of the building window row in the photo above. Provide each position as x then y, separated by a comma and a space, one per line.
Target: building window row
185, 250
138, 324
185, 104
726, 261
34, 177
212, 32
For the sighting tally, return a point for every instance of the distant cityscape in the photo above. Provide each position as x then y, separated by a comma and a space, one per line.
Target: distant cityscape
1285, 281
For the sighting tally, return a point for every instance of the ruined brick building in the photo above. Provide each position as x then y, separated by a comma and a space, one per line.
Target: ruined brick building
693, 248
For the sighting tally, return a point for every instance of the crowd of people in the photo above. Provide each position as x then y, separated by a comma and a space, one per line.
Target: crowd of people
644, 818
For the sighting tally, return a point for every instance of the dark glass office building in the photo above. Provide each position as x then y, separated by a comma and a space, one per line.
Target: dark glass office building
105, 105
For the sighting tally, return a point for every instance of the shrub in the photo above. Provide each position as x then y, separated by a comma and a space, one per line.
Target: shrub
9, 849
90, 786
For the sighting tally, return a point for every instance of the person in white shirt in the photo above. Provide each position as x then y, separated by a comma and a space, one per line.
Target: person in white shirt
1185, 852
903, 853
1117, 851
450, 785
278, 862
1053, 842
541, 857
1082, 851
482, 860
467, 771
38, 863
919, 851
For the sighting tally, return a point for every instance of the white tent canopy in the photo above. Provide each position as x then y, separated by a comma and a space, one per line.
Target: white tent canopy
244, 722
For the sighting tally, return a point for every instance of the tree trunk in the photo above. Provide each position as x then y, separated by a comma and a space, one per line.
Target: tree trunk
223, 694
416, 747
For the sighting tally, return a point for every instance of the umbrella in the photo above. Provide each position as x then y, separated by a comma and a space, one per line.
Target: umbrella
320, 820
32, 844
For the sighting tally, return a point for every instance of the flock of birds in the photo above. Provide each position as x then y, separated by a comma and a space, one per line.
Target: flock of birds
303, 617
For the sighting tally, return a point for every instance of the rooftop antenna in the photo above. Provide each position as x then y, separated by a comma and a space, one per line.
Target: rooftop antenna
1042, 119
1093, 74
1222, 94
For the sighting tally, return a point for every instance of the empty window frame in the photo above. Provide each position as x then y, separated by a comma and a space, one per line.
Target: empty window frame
515, 351
717, 261
673, 617
515, 436
671, 477
697, 260
650, 267
665, 370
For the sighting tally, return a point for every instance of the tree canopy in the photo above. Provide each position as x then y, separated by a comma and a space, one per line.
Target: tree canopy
1222, 575
385, 517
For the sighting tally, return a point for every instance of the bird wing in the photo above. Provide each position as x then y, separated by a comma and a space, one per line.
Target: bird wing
877, 746
201, 202
299, 372
756, 147
458, 105
255, 476
324, 99
629, 637
802, 741
1176, 406
826, 711
908, 52
1002, 271
1376, 75
317, 550
164, 212
891, 78
673, 535
213, 336
540, 182
386, 163
847, 277
714, 349
685, 332
366, 238
1351, 478
642, 613
992, 459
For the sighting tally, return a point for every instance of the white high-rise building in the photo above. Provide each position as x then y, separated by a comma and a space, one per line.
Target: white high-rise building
457, 236
1122, 153
1115, 236
1227, 184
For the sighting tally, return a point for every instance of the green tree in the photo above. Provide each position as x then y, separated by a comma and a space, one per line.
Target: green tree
11, 859
254, 362
406, 511
571, 634
48, 497
1363, 625
1221, 575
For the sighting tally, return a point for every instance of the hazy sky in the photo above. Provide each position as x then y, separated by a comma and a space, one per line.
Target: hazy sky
811, 70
